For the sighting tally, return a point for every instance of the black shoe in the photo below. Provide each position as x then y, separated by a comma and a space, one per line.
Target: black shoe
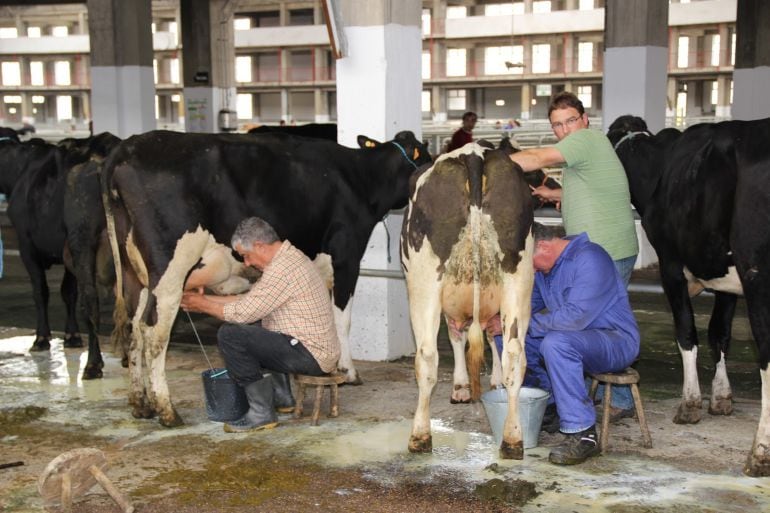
282, 398
576, 448
617, 414
261, 414
550, 419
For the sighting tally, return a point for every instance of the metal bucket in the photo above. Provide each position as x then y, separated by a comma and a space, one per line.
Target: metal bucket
225, 399
532, 403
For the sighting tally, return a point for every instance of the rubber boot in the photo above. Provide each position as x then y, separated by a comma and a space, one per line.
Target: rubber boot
261, 414
284, 401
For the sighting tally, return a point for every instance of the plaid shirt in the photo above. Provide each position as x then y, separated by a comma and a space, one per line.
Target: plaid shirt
291, 298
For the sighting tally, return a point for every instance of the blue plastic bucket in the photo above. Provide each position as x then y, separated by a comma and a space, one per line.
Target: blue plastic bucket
225, 399
532, 403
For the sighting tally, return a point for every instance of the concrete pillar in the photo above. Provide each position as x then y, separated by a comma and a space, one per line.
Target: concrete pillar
122, 85
321, 103
724, 45
526, 100
671, 92
635, 61
723, 97
285, 108
438, 103
527, 6
752, 61
570, 53
208, 60
379, 94
26, 109
694, 98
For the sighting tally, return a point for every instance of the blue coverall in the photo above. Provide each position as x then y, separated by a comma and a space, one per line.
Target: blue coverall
581, 322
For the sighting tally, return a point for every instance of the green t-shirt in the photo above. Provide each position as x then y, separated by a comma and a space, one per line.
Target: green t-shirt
595, 196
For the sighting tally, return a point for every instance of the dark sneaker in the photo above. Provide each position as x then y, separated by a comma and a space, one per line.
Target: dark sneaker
576, 448
550, 419
617, 414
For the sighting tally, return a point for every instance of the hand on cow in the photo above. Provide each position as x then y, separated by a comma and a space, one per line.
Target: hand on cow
192, 300
494, 327
546, 195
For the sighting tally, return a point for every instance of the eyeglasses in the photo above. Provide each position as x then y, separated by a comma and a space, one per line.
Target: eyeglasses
568, 122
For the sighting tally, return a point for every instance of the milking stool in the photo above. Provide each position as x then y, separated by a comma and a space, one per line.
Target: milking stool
319, 382
630, 377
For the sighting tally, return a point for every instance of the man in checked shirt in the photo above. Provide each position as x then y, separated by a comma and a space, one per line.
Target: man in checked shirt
296, 333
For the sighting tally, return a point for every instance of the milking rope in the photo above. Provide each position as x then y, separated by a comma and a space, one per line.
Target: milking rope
403, 152
629, 135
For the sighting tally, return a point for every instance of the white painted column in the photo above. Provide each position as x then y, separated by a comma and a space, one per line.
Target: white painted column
378, 95
635, 61
752, 61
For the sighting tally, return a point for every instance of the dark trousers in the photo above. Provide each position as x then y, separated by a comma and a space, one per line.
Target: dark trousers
250, 351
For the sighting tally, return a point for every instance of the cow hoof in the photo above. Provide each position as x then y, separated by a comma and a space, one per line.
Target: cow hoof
73, 341
142, 412
170, 421
124, 362
93, 372
512, 452
41, 344
721, 406
421, 444
351, 377
688, 413
757, 467
461, 394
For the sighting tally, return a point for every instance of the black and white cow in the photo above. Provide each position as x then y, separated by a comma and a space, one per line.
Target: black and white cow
704, 199
466, 251
175, 196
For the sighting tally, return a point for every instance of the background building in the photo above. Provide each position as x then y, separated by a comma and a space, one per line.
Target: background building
501, 59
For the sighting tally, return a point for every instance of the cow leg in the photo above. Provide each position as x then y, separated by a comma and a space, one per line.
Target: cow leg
69, 294
425, 313
496, 380
40, 296
137, 396
156, 345
515, 311
675, 287
342, 322
720, 332
461, 389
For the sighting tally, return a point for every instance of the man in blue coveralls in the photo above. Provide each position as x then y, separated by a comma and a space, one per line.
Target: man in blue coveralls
581, 322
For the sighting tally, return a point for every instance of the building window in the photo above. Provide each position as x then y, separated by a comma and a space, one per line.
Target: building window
11, 73
732, 52
299, 17
456, 12
517, 8
8, 32
541, 58
426, 28
62, 73
715, 50
455, 99
425, 65
244, 106
36, 73
586, 5
34, 32
63, 108
585, 95
173, 70
60, 31
155, 70
426, 101
456, 62
242, 23
499, 9
585, 56
503, 60
539, 6
243, 68
682, 52
714, 92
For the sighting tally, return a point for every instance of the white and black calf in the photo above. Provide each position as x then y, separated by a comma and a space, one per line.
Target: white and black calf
704, 199
466, 251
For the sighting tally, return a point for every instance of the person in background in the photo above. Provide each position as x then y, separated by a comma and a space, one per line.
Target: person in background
594, 198
283, 324
581, 323
464, 134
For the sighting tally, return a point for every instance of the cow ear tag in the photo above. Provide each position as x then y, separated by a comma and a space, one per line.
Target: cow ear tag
370, 144
416, 154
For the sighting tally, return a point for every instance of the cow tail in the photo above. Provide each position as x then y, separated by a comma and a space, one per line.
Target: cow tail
120, 333
475, 354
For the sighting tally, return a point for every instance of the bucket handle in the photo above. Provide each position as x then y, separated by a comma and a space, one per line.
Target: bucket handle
202, 349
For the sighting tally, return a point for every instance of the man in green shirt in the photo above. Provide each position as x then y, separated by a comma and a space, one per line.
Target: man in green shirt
594, 199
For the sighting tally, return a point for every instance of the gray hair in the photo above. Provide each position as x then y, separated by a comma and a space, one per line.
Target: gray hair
251, 230
547, 232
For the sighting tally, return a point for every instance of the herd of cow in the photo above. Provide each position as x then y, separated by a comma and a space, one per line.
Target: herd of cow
165, 202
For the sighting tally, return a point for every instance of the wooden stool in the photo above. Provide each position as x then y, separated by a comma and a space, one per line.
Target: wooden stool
630, 377
319, 382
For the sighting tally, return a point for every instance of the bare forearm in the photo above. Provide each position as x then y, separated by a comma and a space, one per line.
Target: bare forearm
201, 303
537, 158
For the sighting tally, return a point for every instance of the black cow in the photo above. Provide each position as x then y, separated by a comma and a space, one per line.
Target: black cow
704, 199
174, 197
326, 131
35, 176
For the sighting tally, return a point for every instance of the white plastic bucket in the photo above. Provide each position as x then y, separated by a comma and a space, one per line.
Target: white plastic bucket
532, 403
